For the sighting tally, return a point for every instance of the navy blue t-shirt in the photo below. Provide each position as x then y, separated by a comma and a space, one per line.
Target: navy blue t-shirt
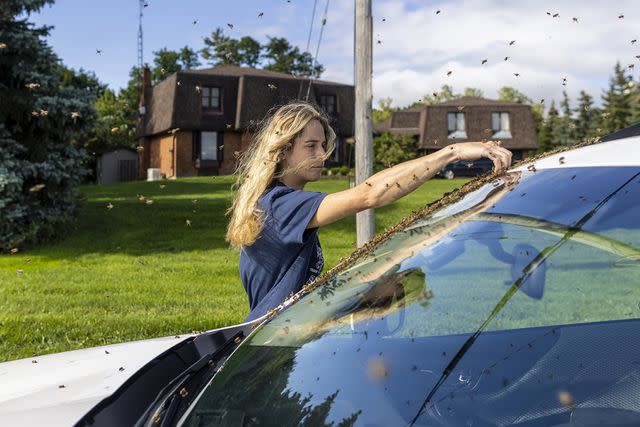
286, 255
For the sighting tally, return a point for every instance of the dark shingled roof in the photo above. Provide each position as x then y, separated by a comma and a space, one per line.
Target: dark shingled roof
248, 94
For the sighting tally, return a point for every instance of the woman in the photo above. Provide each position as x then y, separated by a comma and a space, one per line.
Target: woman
274, 221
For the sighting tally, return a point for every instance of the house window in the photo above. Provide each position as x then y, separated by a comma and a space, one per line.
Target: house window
210, 98
335, 156
455, 124
209, 146
328, 103
500, 125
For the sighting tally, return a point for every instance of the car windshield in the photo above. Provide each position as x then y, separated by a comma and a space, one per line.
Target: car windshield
516, 305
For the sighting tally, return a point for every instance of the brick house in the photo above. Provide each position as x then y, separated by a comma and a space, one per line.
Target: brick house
196, 122
466, 119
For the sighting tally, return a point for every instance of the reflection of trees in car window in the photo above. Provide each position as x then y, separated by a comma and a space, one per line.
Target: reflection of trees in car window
257, 395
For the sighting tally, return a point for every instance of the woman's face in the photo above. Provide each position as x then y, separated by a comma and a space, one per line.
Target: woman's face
310, 144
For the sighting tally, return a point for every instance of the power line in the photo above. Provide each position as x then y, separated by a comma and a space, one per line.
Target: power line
313, 64
313, 16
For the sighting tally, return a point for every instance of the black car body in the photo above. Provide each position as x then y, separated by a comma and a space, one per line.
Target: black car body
464, 168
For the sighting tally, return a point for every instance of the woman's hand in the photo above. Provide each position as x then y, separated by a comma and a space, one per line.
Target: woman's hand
493, 150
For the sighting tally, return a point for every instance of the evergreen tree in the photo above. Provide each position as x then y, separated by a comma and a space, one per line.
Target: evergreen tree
635, 103
587, 117
549, 130
565, 134
43, 110
616, 112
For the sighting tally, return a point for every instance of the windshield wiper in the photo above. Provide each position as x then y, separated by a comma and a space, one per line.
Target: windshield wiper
171, 393
526, 272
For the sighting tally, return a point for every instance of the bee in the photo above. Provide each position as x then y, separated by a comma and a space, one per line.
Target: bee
149, 202
566, 399
34, 361
3, 45
620, 16
512, 42
188, 222
99, 51
484, 61
37, 187
32, 86
260, 14
516, 74
174, 131
183, 392
230, 26
194, 201
238, 340
437, 12
14, 250
460, 107
574, 19
20, 271
109, 205
556, 15
198, 88
531, 168
195, 21
61, 386
75, 115
121, 368
139, 148
506, 58
44, 112
162, 186
272, 86
115, 130
229, 125
449, 72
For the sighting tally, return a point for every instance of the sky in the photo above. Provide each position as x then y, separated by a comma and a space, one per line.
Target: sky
415, 43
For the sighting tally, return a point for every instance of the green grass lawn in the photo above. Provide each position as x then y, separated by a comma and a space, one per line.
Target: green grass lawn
139, 271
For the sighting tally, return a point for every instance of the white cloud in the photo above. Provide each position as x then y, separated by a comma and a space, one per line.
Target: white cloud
418, 46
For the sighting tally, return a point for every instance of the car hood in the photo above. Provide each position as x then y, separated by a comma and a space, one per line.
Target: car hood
32, 392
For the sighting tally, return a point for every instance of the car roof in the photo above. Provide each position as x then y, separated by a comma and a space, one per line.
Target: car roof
617, 152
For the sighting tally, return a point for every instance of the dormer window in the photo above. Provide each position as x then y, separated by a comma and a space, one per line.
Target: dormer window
500, 125
456, 125
328, 103
211, 97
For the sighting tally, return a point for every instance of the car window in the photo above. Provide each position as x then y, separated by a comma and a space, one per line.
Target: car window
484, 312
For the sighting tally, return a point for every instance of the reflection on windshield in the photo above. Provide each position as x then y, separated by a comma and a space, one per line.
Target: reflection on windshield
517, 304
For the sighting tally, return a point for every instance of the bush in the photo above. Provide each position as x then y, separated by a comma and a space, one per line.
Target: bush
344, 170
335, 170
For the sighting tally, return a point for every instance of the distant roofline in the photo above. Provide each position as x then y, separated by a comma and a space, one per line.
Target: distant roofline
234, 70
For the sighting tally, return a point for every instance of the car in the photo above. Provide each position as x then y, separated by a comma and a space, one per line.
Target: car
464, 168
513, 301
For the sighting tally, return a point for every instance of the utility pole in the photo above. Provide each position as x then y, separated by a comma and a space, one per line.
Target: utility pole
141, 4
363, 45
